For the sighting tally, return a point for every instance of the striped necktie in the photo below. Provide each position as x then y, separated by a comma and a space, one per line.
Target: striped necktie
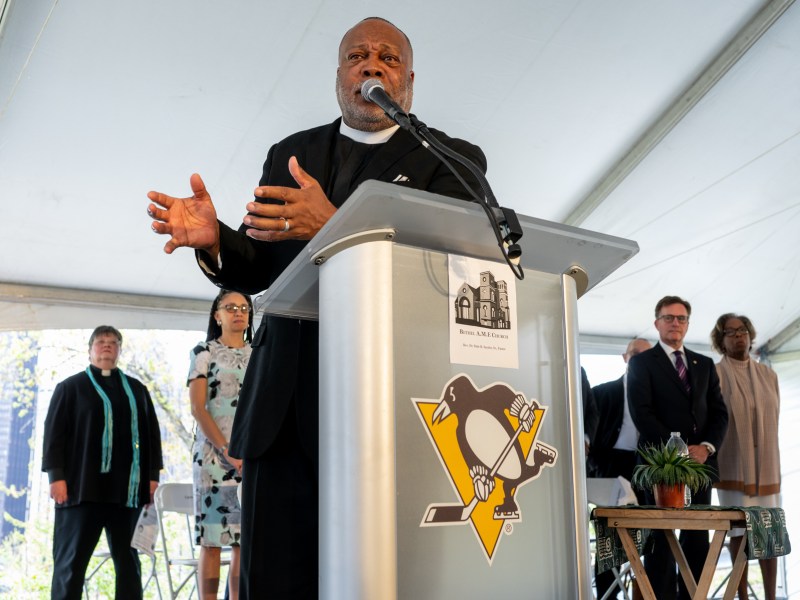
682, 372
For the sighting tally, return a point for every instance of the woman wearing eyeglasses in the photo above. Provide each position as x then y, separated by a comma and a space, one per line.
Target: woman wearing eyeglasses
749, 459
215, 376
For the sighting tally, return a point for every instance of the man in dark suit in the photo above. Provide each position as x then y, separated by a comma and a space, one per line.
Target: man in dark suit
671, 389
613, 448
306, 177
590, 418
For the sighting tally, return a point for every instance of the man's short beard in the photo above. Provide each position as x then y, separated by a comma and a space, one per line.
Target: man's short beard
365, 117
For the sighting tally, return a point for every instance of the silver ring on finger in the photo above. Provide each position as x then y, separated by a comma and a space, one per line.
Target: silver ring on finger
286, 225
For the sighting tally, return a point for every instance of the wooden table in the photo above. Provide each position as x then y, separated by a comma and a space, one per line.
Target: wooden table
668, 520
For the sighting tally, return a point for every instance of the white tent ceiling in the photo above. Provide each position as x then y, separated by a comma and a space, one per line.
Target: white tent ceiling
674, 124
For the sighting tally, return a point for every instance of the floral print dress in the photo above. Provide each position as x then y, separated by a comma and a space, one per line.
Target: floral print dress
217, 511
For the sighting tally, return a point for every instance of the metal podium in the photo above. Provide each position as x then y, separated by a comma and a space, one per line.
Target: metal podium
398, 515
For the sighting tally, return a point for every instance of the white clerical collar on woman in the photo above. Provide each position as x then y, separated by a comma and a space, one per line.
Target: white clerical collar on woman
367, 137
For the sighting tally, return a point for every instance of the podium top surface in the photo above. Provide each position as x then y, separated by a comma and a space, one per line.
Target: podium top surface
429, 221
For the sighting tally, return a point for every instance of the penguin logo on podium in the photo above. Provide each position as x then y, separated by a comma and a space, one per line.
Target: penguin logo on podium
487, 442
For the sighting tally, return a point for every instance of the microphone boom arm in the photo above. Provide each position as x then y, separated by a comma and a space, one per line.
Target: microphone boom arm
504, 221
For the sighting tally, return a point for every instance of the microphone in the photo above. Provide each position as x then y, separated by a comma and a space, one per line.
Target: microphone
373, 91
504, 221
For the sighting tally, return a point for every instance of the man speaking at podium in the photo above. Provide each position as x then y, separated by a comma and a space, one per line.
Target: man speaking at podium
306, 177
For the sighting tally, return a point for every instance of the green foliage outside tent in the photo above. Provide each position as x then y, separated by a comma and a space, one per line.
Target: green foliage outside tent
160, 359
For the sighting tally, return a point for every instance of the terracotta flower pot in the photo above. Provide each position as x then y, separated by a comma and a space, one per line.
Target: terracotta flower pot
669, 496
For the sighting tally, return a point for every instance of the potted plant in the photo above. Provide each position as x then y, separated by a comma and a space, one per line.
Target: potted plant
667, 472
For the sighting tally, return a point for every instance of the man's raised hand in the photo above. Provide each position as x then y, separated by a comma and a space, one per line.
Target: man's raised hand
190, 222
303, 213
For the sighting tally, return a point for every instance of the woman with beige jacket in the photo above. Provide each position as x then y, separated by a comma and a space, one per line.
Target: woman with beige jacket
749, 459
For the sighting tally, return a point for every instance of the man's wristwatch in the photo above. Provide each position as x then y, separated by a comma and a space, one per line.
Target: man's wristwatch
709, 447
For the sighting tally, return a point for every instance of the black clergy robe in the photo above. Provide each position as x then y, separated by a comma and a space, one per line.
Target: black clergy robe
73, 432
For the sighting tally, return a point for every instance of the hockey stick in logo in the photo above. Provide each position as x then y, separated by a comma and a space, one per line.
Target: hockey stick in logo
455, 513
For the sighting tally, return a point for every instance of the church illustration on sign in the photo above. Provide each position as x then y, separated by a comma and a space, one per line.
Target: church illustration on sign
485, 305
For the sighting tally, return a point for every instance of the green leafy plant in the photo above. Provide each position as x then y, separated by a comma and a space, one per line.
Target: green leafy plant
664, 466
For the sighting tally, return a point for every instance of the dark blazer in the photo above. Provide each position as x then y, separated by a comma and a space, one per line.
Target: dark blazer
590, 416
284, 362
73, 439
659, 403
609, 398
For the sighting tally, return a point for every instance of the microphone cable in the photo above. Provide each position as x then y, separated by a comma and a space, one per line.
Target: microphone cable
506, 227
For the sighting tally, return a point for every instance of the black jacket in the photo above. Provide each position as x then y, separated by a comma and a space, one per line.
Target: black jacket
285, 358
73, 433
609, 398
659, 403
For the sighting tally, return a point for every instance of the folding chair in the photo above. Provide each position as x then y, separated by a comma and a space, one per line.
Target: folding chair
152, 576
180, 560
715, 595
148, 550
105, 556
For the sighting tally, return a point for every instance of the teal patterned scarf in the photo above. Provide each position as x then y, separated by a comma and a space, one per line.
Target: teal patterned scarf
108, 436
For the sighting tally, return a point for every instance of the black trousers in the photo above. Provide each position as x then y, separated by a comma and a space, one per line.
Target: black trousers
279, 544
75, 535
660, 565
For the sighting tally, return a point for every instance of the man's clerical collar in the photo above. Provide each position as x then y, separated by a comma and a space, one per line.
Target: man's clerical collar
367, 137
